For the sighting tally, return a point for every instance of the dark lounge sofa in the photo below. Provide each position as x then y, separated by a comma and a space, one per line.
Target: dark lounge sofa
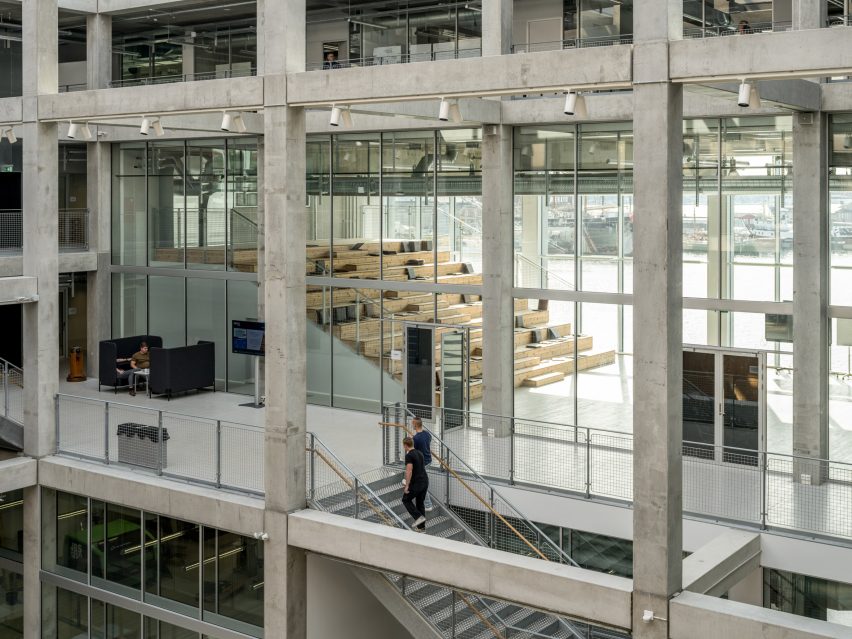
120, 348
174, 370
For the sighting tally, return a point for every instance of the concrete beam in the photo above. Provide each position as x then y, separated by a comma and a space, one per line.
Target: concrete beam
694, 616
836, 96
20, 472
795, 94
601, 67
11, 110
179, 97
565, 590
13, 265
216, 508
14, 290
762, 55
715, 567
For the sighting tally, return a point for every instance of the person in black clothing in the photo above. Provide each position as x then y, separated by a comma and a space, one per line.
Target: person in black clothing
416, 484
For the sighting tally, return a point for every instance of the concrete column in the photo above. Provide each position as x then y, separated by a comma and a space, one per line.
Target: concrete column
98, 50
497, 280
41, 260
261, 257
280, 36
497, 16
657, 360
98, 283
809, 14
285, 226
810, 295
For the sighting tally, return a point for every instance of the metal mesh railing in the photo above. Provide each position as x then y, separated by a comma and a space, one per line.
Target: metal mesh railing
394, 58
733, 29
11, 231
572, 43
184, 77
194, 449
73, 230
13, 392
719, 482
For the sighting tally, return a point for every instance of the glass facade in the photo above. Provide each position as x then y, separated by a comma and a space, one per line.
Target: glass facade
189, 206
398, 207
808, 596
196, 571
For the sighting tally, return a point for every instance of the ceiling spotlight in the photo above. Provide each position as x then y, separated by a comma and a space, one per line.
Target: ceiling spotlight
748, 95
227, 121
239, 125
73, 130
158, 128
146, 124
444, 111
10, 135
575, 104
85, 131
334, 120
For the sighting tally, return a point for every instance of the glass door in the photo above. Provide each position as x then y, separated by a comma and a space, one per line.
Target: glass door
724, 404
454, 377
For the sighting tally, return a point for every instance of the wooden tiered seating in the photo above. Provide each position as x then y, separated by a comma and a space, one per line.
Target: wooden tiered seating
544, 350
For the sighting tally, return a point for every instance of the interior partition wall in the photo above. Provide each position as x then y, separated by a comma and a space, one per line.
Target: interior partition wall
403, 208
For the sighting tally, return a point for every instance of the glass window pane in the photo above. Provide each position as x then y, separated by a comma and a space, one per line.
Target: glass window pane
167, 309
129, 205
129, 305
319, 345
12, 524
178, 563
460, 202
116, 547
242, 205
242, 304
205, 307
840, 191
12, 607
72, 614
72, 527
356, 348
239, 579
205, 204
166, 204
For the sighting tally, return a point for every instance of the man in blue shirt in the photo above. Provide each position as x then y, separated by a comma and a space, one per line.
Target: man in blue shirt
423, 443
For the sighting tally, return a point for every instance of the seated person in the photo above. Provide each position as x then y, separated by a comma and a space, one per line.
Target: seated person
140, 360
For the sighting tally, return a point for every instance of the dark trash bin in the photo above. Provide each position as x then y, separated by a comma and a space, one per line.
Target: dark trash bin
139, 445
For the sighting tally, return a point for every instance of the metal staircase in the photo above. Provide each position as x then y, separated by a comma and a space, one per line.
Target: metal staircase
377, 497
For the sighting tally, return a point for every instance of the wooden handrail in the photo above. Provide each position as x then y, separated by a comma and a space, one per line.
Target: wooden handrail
474, 493
482, 617
349, 483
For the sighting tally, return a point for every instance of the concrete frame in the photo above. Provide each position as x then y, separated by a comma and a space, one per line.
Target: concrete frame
654, 68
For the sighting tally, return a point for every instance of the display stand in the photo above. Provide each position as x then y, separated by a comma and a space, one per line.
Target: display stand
257, 403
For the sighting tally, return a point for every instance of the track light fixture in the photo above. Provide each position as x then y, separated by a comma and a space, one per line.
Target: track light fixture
227, 121
444, 110
82, 131
9, 134
239, 125
340, 114
149, 123
575, 104
748, 95
334, 120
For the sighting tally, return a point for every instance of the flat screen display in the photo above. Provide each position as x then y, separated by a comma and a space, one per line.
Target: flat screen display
248, 337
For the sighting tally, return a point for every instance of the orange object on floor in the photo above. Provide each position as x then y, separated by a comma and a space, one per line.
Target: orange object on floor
76, 368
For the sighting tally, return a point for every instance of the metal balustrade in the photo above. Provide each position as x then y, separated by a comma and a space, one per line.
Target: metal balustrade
73, 230
394, 58
376, 497
760, 488
13, 392
200, 450
183, 77
572, 43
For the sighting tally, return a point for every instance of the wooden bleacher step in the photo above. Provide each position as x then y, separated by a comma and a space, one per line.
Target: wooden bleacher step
544, 380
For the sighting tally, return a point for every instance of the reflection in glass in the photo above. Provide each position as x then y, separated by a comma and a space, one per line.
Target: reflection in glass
166, 204
12, 524
129, 201
167, 312
12, 606
129, 304
116, 546
72, 614
205, 310
233, 578
205, 204
72, 543
173, 564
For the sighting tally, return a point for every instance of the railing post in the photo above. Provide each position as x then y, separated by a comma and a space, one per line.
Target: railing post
106, 432
454, 613
218, 453
313, 466
491, 519
764, 484
511, 451
6, 389
355, 495
446, 454
160, 443
56, 422
589, 463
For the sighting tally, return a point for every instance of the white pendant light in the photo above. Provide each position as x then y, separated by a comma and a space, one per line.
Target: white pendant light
239, 125
10, 135
444, 110
73, 130
158, 128
227, 121
744, 97
334, 120
146, 124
